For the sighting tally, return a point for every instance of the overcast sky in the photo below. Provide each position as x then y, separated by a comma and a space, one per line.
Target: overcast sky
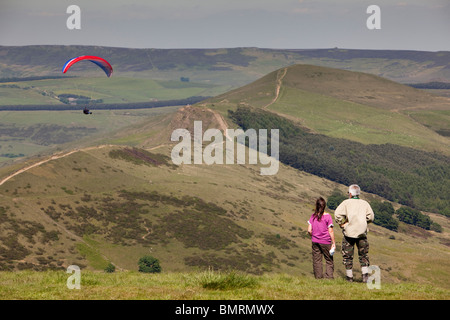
293, 24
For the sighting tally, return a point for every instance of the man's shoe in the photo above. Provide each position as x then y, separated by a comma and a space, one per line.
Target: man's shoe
365, 277
349, 279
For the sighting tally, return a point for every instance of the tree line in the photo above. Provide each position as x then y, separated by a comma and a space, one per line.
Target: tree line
431, 85
18, 79
387, 217
411, 177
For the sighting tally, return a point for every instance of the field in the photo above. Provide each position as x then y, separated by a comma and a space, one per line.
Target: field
437, 120
366, 124
31, 133
207, 285
110, 90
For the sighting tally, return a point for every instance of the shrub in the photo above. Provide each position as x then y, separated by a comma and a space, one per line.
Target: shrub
149, 264
414, 217
110, 268
384, 212
385, 220
50, 236
436, 227
335, 199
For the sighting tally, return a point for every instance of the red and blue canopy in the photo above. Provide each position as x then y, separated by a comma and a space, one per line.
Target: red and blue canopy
102, 63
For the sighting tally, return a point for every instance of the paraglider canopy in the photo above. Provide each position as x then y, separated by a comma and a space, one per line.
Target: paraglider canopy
102, 63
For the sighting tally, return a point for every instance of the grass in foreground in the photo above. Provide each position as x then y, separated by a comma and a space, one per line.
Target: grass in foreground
208, 285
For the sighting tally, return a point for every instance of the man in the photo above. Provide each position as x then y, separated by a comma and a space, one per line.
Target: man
353, 215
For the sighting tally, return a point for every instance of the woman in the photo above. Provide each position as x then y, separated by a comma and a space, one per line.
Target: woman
320, 227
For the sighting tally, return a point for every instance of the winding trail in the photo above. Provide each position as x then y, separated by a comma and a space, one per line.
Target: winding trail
280, 76
144, 237
222, 123
54, 157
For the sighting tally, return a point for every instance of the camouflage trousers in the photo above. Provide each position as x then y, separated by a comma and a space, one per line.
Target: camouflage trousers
348, 250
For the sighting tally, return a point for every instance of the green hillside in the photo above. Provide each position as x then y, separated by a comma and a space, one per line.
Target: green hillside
409, 176
349, 105
115, 204
114, 195
352, 126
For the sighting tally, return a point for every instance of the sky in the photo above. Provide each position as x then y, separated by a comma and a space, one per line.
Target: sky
280, 24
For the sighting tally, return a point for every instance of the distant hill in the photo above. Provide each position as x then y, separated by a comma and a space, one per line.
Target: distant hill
228, 66
350, 105
352, 126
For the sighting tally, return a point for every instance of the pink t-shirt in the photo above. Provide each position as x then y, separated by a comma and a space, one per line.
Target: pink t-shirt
320, 232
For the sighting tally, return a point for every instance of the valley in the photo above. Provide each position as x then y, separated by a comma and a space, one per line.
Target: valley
103, 189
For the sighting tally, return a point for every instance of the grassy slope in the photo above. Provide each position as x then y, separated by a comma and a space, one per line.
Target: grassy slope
194, 286
349, 105
265, 206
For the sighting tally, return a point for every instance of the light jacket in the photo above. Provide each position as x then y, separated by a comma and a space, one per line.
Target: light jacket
355, 214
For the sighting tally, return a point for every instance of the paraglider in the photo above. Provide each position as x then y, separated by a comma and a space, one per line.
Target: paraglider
102, 63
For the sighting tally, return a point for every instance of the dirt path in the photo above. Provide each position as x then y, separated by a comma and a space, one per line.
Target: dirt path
222, 123
54, 157
280, 75
148, 232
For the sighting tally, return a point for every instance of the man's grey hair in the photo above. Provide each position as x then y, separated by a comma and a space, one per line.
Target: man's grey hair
354, 189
